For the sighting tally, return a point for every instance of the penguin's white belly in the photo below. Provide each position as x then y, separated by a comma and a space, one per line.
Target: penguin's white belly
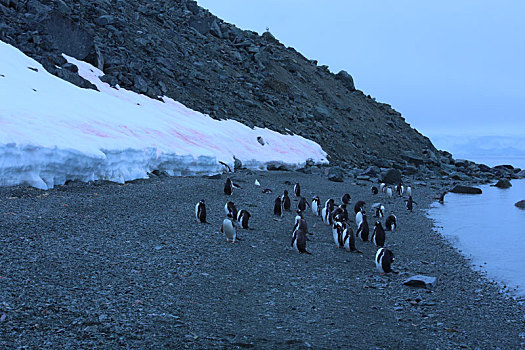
197, 211
347, 241
358, 219
336, 236
325, 216
228, 229
295, 244
314, 208
379, 260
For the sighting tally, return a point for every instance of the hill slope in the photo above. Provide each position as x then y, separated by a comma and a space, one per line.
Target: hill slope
177, 49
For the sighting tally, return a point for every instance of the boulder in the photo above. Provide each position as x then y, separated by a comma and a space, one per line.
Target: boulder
276, 165
410, 170
336, 174
421, 281
459, 176
466, 190
346, 79
371, 171
520, 204
503, 183
392, 177
521, 174
412, 158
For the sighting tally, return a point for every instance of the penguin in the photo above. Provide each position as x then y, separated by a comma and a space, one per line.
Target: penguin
300, 223
200, 211
382, 187
277, 210
374, 190
358, 206
243, 218
267, 191
363, 230
389, 192
327, 211
410, 203
384, 259
345, 198
409, 191
441, 198
400, 189
379, 210
349, 240
337, 232
299, 241
229, 207
297, 189
257, 183
316, 206
391, 223
228, 187
378, 237
228, 228
285, 200
303, 203
359, 217
341, 212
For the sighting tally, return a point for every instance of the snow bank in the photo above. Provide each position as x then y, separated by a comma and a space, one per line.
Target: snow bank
52, 131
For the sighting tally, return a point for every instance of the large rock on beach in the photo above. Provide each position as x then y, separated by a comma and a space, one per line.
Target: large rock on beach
392, 177
336, 174
421, 281
520, 204
466, 189
503, 183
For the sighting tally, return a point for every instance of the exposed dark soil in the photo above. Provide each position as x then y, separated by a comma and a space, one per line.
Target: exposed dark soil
105, 265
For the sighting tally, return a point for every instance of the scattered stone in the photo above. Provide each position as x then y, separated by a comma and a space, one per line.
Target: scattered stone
466, 189
503, 183
421, 281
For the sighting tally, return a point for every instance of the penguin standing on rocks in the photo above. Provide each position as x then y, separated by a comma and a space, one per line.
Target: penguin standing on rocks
391, 223
200, 211
228, 228
359, 217
299, 241
228, 187
374, 190
285, 200
410, 203
303, 203
345, 198
400, 189
327, 211
297, 189
382, 187
229, 207
379, 209
378, 237
338, 227
243, 218
277, 207
316, 206
409, 191
359, 206
349, 240
389, 192
384, 259
441, 198
300, 223
363, 230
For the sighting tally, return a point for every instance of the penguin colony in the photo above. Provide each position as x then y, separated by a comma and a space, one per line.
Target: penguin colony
333, 215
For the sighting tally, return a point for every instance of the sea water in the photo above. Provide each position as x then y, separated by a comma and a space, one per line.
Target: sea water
489, 229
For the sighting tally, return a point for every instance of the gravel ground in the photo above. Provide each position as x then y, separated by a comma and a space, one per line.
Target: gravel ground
107, 266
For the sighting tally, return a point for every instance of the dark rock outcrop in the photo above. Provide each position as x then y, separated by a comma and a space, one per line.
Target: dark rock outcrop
503, 183
336, 174
392, 177
421, 281
520, 204
466, 189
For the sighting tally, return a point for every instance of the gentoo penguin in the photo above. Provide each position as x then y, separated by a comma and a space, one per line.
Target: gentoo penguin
299, 241
410, 203
228, 228
363, 230
349, 240
228, 187
285, 200
338, 228
384, 259
229, 207
345, 198
378, 237
391, 223
379, 210
389, 192
375, 190
267, 191
257, 183
303, 203
277, 210
297, 189
300, 223
327, 211
341, 212
358, 206
409, 191
359, 217
316, 206
400, 189
382, 187
243, 218
200, 211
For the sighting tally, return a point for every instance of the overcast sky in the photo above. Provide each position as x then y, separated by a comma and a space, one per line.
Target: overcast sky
450, 67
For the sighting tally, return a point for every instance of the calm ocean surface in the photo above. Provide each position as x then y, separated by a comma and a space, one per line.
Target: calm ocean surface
489, 229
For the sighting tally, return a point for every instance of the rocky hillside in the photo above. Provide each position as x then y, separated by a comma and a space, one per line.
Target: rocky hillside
181, 50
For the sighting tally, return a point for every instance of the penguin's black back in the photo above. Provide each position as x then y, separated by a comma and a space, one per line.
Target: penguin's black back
228, 187
277, 207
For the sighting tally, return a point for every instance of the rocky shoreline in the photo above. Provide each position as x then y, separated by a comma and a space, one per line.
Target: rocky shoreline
105, 265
